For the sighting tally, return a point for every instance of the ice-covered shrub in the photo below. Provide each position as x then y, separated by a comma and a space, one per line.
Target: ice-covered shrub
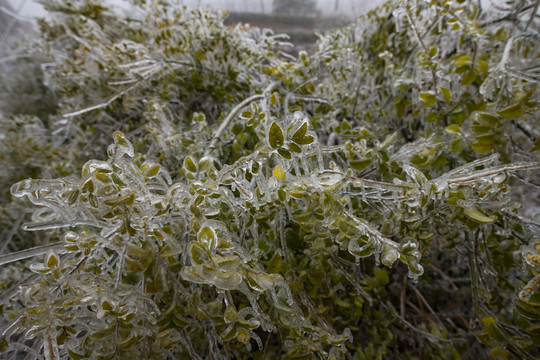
360, 202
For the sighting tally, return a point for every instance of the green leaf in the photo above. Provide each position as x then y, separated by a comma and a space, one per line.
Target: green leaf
360, 164
230, 332
74, 355
474, 214
199, 255
302, 216
512, 112
527, 310
488, 137
486, 118
274, 265
447, 96
284, 153
463, 60
260, 281
200, 55
189, 164
306, 140
102, 333
179, 320
129, 342
295, 148
480, 129
52, 259
231, 315
120, 139
482, 147
483, 68
275, 136
243, 335
345, 126
453, 129
432, 117
153, 171
127, 199
207, 236
468, 78
389, 255
342, 303
428, 97
299, 134
492, 328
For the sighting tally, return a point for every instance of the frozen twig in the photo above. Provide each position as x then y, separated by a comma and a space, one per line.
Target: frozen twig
103, 104
492, 172
225, 123
28, 253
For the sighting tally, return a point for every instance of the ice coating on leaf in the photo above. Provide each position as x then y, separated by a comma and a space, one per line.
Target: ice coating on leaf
328, 180
96, 165
52, 259
410, 255
227, 280
499, 179
279, 173
207, 237
389, 255
531, 254
71, 236
23, 188
415, 175
122, 146
208, 162
405, 152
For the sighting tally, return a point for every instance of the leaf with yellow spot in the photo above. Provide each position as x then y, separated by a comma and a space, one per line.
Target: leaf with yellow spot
279, 173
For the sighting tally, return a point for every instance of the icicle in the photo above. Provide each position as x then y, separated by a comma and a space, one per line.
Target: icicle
363, 190
288, 293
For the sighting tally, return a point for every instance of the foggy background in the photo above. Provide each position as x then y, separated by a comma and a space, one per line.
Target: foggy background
17, 17
348, 8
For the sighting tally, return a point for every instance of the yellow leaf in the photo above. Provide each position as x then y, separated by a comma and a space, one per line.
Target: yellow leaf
279, 173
